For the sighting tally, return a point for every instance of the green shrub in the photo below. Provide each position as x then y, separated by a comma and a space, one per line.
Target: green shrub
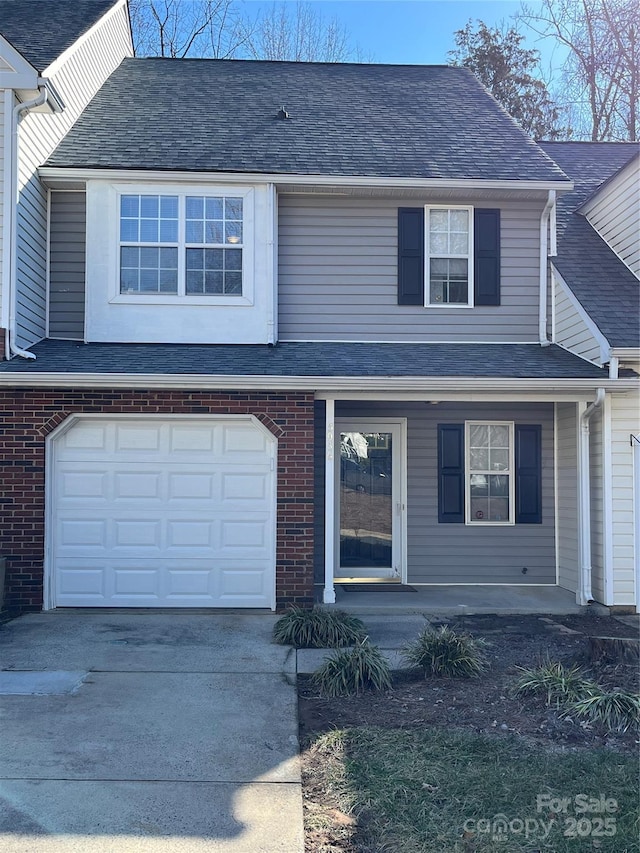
558, 684
352, 671
444, 652
318, 628
617, 710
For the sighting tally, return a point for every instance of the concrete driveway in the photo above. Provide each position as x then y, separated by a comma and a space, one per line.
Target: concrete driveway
163, 732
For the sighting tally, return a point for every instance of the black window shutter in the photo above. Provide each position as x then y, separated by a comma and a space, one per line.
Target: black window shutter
411, 256
486, 266
451, 473
528, 474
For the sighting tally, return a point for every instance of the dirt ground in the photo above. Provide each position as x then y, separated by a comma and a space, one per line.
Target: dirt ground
486, 704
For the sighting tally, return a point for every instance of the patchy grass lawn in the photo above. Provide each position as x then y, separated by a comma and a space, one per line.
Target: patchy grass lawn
428, 766
419, 791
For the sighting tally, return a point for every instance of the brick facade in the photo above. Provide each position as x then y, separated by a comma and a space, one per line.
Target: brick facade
29, 416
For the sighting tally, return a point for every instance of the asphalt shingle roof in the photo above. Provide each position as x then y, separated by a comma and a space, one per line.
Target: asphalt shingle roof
345, 119
43, 29
308, 360
604, 285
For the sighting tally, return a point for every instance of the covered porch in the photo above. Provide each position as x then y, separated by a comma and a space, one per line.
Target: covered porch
455, 502
460, 600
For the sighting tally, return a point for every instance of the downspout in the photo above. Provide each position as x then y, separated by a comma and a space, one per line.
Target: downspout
614, 367
544, 256
584, 594
11, 347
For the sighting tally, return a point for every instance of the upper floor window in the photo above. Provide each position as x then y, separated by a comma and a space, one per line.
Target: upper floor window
449, 251
181, 245
448, 256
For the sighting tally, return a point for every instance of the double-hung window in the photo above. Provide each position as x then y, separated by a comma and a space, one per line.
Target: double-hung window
448, 256
449, 245
182, 245
489, 472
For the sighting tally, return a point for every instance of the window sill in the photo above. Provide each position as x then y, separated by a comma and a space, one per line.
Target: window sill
168, 299
448, 305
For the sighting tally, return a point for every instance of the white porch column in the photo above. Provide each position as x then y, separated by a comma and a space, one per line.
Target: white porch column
329, 503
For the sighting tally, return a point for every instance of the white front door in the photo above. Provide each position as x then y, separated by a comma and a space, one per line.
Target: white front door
370, 500
161, 512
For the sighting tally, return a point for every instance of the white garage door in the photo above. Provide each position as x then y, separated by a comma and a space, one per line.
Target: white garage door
162, 512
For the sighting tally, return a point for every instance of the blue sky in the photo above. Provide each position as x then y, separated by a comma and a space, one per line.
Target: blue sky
416, 31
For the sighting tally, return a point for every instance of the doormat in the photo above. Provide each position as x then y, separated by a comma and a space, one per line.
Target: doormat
377, 587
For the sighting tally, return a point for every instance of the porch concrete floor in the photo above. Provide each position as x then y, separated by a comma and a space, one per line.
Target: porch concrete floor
460, 600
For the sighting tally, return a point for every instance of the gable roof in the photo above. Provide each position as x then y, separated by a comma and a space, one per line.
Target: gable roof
604, 285
345, 119
43, 29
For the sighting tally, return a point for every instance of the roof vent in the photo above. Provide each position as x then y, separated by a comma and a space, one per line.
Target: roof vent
282, 114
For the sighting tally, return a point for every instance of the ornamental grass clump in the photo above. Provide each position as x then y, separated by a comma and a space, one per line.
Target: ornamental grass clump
616, 710
559, 685
445, 652
318, 628
352, 671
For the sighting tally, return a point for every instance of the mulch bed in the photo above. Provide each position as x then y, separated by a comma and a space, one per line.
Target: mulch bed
486, 704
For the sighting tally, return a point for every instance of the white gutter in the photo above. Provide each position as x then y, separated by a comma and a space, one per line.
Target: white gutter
544, 273
584, 594
10, 346
584, 388
65, 174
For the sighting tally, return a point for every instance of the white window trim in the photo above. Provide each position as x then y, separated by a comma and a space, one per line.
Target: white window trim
467, 474
181, 298
427, 257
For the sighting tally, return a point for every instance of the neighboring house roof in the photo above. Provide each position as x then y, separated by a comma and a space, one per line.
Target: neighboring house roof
604, 285
526, 361
344, 119
43, 29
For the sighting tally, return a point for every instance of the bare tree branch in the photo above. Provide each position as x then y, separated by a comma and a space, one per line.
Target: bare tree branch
600, 81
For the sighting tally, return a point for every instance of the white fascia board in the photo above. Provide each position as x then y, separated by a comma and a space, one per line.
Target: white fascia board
626, 353
53, 174
603, 343
51, 69
334, 384
22, 74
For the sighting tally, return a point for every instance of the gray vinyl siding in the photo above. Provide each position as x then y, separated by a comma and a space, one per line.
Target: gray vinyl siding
67, 265
459, 553
77, 80
615, 214
571, 330
567, 456
338, 275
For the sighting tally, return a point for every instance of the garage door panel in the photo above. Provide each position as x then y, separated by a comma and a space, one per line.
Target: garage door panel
225, 534
142, 583
241, 486
191, 438
137, 484
78, 581
82, 484
82, 533
164, 513
243, 444
87, 436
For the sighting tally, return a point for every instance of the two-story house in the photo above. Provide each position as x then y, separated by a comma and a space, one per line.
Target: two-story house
300, 333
